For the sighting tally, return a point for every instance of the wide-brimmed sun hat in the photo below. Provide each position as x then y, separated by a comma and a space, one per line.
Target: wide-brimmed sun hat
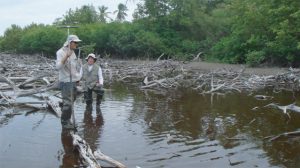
71, 38
91, 55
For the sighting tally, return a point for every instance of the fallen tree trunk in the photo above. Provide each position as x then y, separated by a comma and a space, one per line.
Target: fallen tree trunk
89, 157
99, 155
54, 106
85, 152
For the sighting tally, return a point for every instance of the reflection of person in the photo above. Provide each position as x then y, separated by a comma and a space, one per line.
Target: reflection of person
92, 80
66, 63
92, 129
70, 158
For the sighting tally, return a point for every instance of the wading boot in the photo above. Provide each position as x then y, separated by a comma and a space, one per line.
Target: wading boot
89, 106
60, 104
67, 124
98, 99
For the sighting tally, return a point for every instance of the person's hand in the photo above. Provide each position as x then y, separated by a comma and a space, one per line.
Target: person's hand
69, 53
65, 58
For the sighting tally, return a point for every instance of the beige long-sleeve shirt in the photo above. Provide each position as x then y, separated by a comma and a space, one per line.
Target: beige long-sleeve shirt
70, 64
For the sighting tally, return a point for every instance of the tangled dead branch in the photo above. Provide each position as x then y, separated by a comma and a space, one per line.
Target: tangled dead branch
168, 74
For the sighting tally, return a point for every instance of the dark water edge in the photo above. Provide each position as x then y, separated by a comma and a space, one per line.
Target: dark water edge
153, 129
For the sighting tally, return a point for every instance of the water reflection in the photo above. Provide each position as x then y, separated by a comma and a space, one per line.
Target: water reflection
189, 121
91, 133
172, 129
71, 156
92, 127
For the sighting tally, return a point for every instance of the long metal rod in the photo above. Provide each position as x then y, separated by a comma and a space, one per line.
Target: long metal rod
72, 96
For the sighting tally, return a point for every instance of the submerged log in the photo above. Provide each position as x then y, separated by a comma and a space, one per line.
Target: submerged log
263, 97
53, 105
99, 155
89, 157
85, 152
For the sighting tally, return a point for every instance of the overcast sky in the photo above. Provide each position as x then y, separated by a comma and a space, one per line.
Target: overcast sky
25, 12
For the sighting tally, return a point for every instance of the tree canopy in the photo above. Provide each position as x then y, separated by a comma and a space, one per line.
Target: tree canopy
234, 31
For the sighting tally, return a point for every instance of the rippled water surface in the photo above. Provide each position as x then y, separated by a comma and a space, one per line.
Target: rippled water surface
158, 129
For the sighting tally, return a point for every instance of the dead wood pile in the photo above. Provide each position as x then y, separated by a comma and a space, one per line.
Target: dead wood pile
30, 74
25, 75
168, 74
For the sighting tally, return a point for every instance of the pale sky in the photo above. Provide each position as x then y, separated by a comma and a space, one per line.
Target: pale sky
25, 12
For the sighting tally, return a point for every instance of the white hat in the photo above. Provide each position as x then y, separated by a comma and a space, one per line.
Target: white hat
72, 38
91, 55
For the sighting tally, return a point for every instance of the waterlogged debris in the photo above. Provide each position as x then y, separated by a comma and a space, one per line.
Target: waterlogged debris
252, 121
99, 155
282, 135
285, 109
255, 108
89, 157
235, 138
235, 163
263, 97
85, 152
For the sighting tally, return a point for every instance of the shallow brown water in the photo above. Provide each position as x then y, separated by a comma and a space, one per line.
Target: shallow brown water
151, 130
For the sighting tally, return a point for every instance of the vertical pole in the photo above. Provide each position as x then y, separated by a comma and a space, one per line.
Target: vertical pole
72, 87
72, 96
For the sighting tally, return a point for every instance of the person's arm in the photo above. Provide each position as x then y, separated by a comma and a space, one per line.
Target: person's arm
61, 58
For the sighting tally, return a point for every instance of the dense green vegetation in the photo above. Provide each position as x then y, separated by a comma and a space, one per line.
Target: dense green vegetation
234, 31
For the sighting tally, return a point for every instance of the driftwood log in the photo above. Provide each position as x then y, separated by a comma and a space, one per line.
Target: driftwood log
89, 157
85, 152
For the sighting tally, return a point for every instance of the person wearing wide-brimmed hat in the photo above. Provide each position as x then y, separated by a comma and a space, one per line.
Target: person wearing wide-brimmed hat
68, 75
92, 81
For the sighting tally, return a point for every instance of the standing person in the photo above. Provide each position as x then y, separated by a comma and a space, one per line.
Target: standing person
92, 80
66, 63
